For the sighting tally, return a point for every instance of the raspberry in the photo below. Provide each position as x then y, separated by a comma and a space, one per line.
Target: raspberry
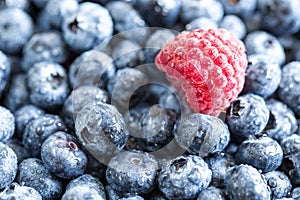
207, 65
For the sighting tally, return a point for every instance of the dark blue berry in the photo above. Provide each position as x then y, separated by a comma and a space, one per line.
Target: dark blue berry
261, 42
203, 23
212, 193
44, 46
291, 166
101, 130
201, 134
132, 172
184, 177
282, 121
279, 184
234, 24
287, 91
7, 127
8, 165
48, 85
85, 187
162, 13
219, 163
5, 71
263, 153
247, 115
290, 144
19, 192
17, 146
86, 28
37, 130
242, 8
16, 27
33, 173
111, 193
263, 75
296, 193
24, 115
245, 182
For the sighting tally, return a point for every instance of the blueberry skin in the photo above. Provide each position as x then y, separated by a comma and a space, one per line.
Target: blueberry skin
63, 156
279, 183
242, 8
132, 172
287, 91
86, 28
111, 193
201, 134
247, 115
16, 27
219, 163
17, 146
235, 25
22, 4
280, 16
101, 130
290, 144
89, 186
8, 165
7, 127
24, 115
212, 193
159, 13
55, 12
91, 68
203, 23
17, 94
184, 177
48, 85
133, 197
44, 46
33, 173
291, 166
282, 121
262, 153
5, 71
296, 193
263, 75
80, 97
192, 9
245, 182
261, 42
20, 192
38, 130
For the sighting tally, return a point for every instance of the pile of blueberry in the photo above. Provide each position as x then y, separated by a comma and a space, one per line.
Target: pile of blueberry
85, 114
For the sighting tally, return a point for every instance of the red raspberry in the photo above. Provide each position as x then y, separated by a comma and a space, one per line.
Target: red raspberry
208, 65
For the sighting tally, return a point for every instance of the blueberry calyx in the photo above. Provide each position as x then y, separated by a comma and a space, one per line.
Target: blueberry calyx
179, 163
74, 25
236, 108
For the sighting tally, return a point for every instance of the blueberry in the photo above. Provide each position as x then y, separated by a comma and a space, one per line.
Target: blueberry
245, 182
265, 43
290, 144
242, 8
20, 192
17, 94
44, 46
63, 156
296, 193
86, 28
203, 23
263, 75
263, 153
247, 115
89, 186
111, 193
17, 146
101, 130
55, 12
5, 71
282, 121
280, 16
33, 173
80, 97
212, 193
184, 177
22, 4
132, 172
37, 130
24, 115
7, 127
162, 13
8, 165
201, 134
91, 68
291, 166
287, 91
234, 24
48, 85
279, 183
219, 163
16, 27
127, 53
192, 9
